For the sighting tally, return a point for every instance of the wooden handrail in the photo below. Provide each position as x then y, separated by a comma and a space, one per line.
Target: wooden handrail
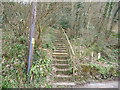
72, 52
69, 42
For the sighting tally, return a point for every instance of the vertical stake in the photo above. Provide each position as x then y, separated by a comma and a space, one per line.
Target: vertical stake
31, 38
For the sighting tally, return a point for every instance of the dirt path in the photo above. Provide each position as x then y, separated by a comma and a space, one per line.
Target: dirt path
106, 84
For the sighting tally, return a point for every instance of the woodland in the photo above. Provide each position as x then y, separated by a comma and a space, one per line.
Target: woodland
74, 43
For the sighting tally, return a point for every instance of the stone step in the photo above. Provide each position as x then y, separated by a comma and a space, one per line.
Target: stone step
57, 61
60, 51
64, 84
63, 78
61, 40
62, 54
63, 72
61, 48
62, 66
58, 41
60, 57
58, 44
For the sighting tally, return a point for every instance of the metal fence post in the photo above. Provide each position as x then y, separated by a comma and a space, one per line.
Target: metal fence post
32, 41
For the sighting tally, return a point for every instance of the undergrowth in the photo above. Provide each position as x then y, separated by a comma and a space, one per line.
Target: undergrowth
14, 64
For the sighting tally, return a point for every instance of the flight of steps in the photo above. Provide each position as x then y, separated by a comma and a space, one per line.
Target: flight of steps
61, 67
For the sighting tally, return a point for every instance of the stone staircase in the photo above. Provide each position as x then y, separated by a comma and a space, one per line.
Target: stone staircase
62, 72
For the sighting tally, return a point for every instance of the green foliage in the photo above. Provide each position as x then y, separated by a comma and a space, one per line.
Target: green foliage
40, 68
41, 65
116, 35
108, 9
64, 23
6, 84
15, 75
14, 63
105, 71
48, 86
19, 48
15, 41
80, 5
55, 26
